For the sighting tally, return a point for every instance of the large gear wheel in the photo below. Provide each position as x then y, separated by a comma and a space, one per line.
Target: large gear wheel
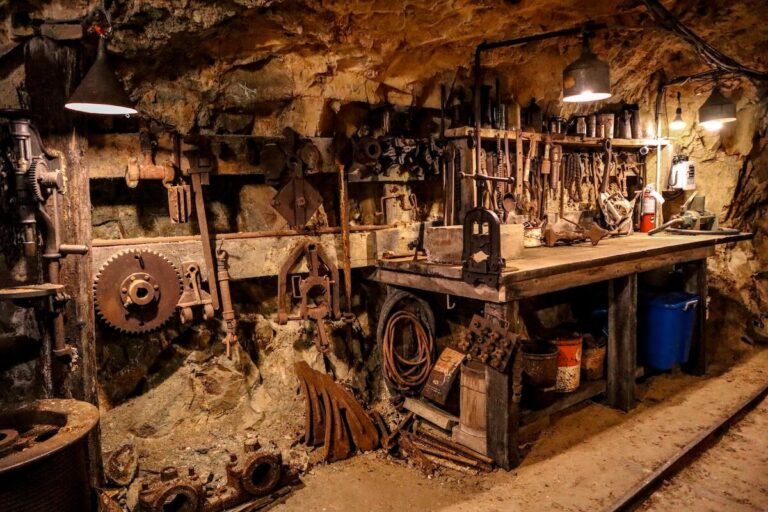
136, 291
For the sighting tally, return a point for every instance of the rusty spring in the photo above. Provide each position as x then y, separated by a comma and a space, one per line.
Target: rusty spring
407, 373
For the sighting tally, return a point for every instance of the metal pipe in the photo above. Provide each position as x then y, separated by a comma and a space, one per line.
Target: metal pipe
721, 231
486, 46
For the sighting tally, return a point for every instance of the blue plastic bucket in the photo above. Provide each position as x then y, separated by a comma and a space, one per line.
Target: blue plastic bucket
665, 327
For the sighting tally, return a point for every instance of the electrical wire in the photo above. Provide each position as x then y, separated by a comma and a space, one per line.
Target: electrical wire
711, 55
407, 373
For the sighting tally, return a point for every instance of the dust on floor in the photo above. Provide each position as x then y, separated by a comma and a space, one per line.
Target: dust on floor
732, 475
583, 461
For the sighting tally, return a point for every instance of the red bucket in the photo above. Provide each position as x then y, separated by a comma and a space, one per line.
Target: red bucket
568, 364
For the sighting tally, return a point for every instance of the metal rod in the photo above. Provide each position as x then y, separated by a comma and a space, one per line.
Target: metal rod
573, 31
486, 46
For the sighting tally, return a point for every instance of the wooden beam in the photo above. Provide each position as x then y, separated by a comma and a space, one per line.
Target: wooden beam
622, 341
696, 282
502, 411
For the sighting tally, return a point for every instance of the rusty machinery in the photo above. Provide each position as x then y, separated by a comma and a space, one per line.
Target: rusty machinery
318, 292
145, 167
333, 418
258, 480
44, 453
136, 291
481, 253
297, 201
29, 177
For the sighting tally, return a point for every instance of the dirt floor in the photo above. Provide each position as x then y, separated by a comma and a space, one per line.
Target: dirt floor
732, 475
584, 460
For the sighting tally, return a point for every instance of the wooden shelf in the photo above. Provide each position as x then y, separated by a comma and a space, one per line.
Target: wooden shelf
586, 391
30, 291
563, 140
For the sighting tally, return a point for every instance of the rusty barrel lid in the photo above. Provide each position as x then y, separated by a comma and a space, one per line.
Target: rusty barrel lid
42, 428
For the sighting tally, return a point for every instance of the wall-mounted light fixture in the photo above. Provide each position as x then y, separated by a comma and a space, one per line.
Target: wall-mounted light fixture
678, 123
716, 111
100, 92
587, 78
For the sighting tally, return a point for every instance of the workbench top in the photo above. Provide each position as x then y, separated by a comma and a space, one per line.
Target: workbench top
544, 269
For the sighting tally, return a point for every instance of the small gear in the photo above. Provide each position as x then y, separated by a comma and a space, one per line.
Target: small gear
33, 176
136, 291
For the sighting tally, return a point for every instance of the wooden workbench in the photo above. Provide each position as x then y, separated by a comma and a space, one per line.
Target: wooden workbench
547, 269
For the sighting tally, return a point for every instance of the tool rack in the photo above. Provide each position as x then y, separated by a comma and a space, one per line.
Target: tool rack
618, 262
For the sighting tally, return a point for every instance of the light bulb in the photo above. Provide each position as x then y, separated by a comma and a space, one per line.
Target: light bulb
712, 126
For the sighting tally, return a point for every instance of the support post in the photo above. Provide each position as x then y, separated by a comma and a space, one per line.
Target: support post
695, 274
622, 341
502, 410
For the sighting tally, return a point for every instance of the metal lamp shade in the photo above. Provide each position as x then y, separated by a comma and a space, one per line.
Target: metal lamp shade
717, 111
586, 79
100, 92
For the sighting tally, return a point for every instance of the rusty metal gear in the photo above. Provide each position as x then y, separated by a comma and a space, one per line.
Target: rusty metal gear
136, 291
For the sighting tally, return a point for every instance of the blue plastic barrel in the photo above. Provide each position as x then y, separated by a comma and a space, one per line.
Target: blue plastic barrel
665, 327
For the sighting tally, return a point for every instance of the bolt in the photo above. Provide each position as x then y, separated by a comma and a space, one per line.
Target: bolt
133, 278
232, 458
168, 473
146, 277
157, 287
252, 445
124, 290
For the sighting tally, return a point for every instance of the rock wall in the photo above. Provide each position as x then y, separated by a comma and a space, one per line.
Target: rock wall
258, 66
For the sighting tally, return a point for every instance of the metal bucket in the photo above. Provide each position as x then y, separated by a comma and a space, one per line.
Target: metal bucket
44, 456
568, 364
592, 358
540, 364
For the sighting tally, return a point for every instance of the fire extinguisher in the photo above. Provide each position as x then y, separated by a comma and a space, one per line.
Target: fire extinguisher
648, 212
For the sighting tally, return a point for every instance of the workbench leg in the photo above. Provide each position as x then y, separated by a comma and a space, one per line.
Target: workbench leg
502, 409
622, 341
695, 274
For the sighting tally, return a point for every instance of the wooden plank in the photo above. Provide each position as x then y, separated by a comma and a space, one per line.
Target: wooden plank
587, 391
249, 257
108, 155
544, 261
502, 411
565, 280
501, 419
622, 341
431, 413
696, 282
438, 285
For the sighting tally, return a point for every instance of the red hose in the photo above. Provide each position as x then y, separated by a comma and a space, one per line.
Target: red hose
407, 373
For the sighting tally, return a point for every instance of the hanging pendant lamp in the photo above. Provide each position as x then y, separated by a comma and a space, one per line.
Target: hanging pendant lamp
678, 123
587, 78
716, 111
100, 92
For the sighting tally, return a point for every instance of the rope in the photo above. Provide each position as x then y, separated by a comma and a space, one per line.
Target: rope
407, 373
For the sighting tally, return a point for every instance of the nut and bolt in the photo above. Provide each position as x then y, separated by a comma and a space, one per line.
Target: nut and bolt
168, 473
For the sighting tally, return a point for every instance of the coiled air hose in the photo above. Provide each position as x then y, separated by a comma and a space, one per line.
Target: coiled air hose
407, 373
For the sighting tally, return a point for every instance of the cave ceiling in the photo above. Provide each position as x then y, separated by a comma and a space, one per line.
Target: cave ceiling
188, 62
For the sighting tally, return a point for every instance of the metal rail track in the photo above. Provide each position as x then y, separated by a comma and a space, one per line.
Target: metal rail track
683, 458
